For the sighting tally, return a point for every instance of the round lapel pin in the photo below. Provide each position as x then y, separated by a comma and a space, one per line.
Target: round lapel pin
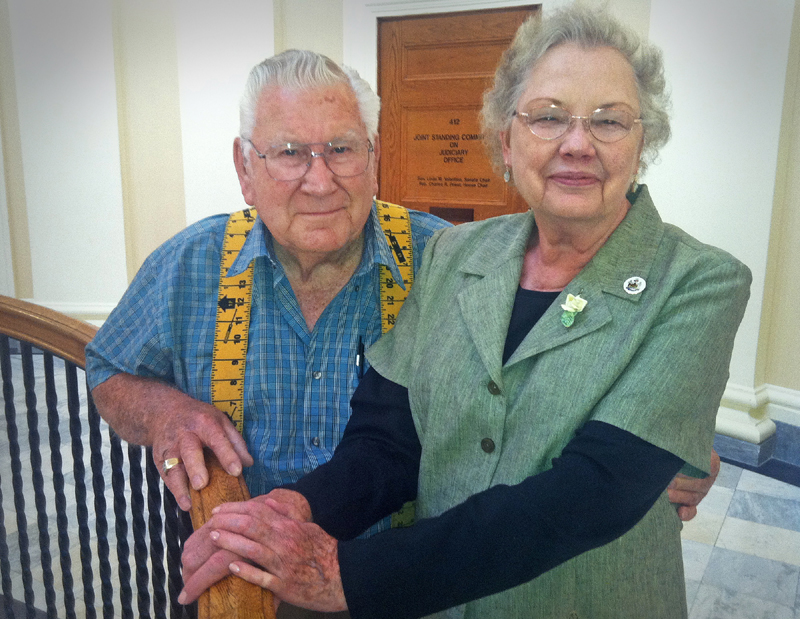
634, 285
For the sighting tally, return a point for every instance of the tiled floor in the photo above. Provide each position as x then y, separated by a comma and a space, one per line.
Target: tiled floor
742, 551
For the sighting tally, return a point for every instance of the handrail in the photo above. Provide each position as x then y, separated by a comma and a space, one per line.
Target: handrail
46, 329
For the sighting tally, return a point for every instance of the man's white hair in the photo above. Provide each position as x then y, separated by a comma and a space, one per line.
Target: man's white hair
300, 70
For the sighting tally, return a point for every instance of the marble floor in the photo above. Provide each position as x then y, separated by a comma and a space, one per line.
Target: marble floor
742, 551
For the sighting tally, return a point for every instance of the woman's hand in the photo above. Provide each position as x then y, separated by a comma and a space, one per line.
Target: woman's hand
260, 541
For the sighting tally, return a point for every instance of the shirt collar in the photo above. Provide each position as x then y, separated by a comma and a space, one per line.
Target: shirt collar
376, 249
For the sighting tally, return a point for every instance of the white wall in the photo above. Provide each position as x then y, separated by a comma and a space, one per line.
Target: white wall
64, 68
726, 65
218, 43
64, 72
309, 24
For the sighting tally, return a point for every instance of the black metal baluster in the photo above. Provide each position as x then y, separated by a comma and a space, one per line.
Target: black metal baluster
101, 523
10, 412
139, 530
121, 526
38, 480
156, 537
62, 523
16, 475
172, 529
73, 405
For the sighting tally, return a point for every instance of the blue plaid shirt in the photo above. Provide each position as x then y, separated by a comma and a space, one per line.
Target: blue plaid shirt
298, 383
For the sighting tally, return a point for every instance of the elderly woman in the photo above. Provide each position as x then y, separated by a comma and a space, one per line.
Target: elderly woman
549, 375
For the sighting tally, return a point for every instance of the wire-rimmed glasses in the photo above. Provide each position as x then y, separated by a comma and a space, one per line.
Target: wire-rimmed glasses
290, 161
551, 122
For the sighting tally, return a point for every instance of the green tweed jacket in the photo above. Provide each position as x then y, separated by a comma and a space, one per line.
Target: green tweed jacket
649, 353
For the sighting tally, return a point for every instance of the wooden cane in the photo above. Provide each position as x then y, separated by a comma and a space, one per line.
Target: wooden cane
232, 597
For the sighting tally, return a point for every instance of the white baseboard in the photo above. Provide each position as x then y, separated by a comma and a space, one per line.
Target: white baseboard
748, 413
783, 404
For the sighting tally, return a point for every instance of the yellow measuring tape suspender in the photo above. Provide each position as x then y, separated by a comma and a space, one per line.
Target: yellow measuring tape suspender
233, 310
396, 225
233, 322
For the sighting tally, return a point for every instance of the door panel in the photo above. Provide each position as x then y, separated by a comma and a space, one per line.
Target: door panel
433, 70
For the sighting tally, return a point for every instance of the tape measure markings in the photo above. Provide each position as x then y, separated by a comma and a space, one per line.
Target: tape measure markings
230, 333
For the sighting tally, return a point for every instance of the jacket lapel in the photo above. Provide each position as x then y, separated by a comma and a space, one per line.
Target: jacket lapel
549, 332
486, 304
628, 252
491, 276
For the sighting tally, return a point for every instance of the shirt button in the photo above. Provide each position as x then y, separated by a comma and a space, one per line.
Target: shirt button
317, 375
493, 388
315, 441
487, 445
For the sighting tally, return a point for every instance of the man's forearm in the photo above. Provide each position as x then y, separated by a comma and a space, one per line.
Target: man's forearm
132, 405
148, 412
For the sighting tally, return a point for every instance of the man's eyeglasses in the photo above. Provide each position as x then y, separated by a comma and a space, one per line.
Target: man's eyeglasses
552, 122
290, 162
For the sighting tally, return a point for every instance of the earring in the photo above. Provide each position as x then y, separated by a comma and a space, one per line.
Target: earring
507, 174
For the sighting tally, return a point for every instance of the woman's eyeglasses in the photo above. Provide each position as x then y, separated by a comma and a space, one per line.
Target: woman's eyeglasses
552, 122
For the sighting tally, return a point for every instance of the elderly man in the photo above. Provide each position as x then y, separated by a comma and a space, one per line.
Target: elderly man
306, 160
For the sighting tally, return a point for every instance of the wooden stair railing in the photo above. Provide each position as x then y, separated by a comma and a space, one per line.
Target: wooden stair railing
46, 329
64, 337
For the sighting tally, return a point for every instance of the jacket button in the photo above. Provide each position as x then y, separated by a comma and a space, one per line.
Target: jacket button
573, 615
493, 388
487, 445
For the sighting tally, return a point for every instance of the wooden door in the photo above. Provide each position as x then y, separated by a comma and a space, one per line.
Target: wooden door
432, 72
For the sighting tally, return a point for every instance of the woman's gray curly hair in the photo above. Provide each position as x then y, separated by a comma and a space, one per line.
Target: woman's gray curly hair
300, 70
588, 28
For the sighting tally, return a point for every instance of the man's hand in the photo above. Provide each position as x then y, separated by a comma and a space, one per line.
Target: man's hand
687, 492
258, 541
292, 504
152, 413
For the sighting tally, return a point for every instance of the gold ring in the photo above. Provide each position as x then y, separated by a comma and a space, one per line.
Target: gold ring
170, 463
